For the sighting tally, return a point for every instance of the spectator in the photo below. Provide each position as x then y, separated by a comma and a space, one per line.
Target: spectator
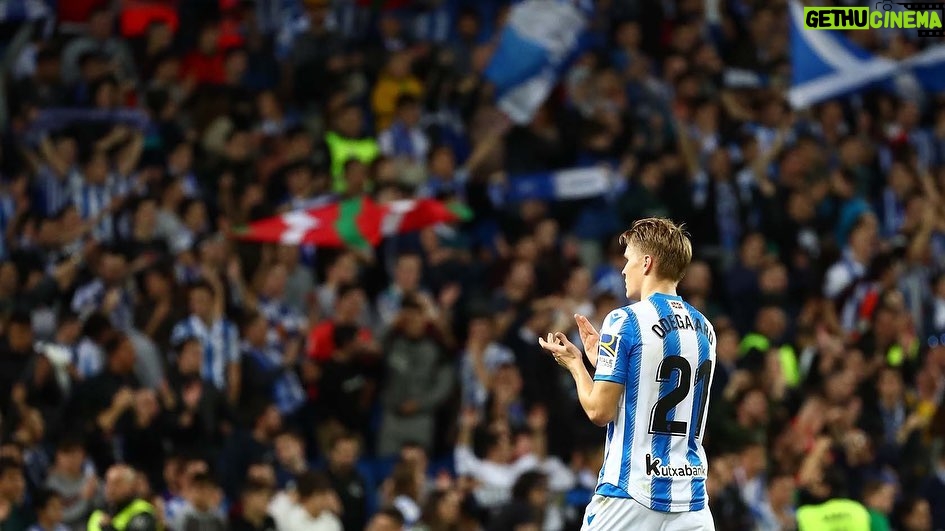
395, 81
408, 270
205, 64
103, 405
123, 507
284, 323
914, 515
179, 476
12, 494
442, 511
16, 355
857, 254
270, 371
495, 471
482, 358
204, 498
108, 293
158, 309
349, 310
405, 492
47, 505
404, 139
218, 336
347, 385
100, 38
728, 507
291, 460
72, 477
311, 505
347, 481
254, 504
199, 411
345, 142
388, 519
300, 282
879, 498
777, 510
417, 380
529, 496
251, 446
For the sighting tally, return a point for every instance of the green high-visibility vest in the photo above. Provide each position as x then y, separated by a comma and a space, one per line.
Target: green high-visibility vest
834, 515
342, 149
120, 520
786, 356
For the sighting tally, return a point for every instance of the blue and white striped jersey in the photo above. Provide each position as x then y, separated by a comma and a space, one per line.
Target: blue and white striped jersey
663, 351
221, 345
55, 192
94, 199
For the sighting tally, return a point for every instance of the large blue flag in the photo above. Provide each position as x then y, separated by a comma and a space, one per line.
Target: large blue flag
538, 40
826, 65
929, 68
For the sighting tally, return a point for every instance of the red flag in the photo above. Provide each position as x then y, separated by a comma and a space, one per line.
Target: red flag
354, 222
414, 214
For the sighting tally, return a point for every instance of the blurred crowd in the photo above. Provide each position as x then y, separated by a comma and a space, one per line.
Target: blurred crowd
156, 372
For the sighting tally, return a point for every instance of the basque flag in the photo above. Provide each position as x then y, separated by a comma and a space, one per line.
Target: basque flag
357, 222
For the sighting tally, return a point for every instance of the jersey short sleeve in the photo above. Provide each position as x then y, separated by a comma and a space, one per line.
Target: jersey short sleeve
619, 340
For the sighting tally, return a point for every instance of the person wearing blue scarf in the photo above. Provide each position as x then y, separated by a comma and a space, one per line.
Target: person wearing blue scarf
266, 369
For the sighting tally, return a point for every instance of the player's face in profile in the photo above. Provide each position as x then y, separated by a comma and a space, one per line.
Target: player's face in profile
633, 272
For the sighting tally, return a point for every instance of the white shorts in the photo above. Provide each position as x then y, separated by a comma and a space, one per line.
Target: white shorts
618, 514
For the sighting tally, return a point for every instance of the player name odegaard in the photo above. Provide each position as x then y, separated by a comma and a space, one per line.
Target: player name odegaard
677, 322
655, 467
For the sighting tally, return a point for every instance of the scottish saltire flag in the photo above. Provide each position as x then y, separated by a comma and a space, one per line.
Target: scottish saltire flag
538, 40
928, 67
826, 65
562, 185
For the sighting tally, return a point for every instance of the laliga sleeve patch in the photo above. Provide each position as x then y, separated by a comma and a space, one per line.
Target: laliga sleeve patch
605, 365
608, 345
607, 354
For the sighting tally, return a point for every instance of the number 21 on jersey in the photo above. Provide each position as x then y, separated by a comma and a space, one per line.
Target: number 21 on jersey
660, 417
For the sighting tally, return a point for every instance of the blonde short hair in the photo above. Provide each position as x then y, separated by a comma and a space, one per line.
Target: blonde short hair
664, 240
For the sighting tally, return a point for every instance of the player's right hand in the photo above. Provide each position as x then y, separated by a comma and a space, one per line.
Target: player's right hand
563, 351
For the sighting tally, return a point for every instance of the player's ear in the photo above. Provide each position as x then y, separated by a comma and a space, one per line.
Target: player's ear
647, 264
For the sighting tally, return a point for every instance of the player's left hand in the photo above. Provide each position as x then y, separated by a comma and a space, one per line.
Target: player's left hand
590, 337
561, 348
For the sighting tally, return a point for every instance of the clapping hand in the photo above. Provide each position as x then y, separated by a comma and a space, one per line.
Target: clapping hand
564, 352
589, 337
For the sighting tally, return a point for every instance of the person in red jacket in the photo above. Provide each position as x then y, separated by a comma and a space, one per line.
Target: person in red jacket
204, 66
348, 309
